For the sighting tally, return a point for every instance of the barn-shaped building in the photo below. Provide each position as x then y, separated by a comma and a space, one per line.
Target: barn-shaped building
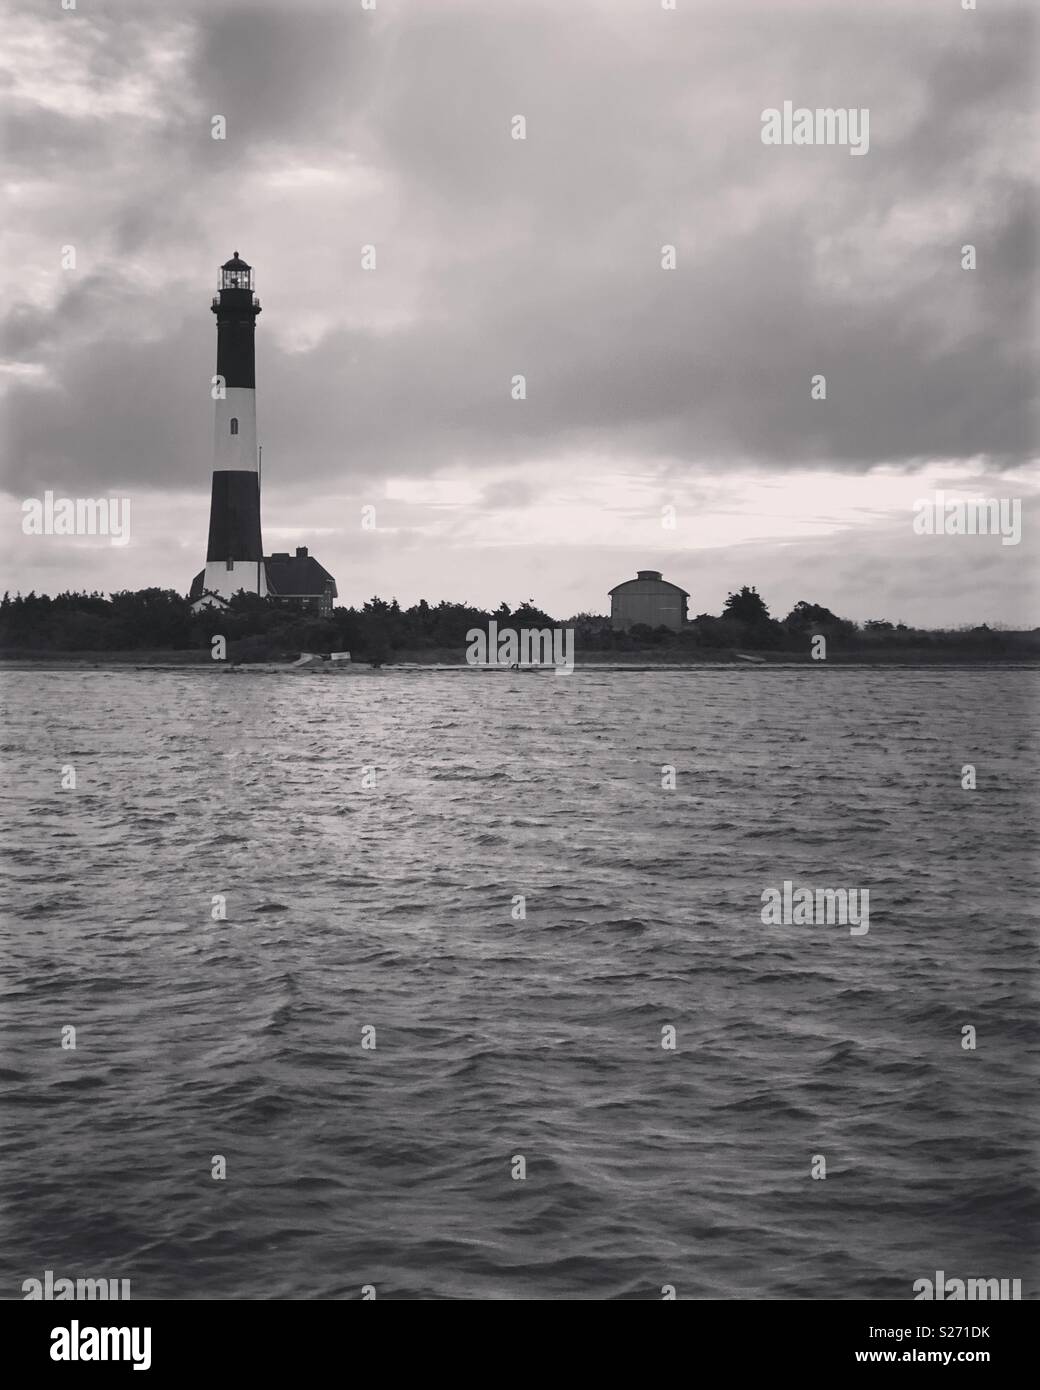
647, 599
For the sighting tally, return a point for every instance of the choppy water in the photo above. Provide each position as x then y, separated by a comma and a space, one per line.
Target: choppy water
390, 907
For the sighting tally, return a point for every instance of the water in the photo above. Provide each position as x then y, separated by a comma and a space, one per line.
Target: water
389, 907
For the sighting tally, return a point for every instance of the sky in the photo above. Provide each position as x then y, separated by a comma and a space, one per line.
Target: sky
669, 419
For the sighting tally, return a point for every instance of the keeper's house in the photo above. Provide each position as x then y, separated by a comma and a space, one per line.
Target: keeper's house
647, 599
298, 581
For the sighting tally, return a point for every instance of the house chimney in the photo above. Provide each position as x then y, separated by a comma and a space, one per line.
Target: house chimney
301, 552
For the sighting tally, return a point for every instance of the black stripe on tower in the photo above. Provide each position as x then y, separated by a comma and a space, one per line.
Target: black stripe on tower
236, 312
234, 517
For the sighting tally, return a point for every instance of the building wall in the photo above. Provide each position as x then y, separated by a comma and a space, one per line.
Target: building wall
322, 603
647, 601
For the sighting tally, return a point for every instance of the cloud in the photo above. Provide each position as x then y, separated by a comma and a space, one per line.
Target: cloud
498, 257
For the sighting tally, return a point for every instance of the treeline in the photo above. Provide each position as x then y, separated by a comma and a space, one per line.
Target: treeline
256, 629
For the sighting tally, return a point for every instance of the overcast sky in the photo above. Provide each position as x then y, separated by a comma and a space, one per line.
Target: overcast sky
646, 387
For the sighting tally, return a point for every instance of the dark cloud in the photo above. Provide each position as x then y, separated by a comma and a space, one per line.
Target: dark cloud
283, 73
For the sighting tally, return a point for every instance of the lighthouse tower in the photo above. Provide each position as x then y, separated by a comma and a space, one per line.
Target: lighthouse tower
235, 555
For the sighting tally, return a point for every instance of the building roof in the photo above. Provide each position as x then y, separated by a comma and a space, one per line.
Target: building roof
297, 576
236, 263
649, 577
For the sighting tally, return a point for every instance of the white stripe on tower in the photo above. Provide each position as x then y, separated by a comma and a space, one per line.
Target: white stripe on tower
235, 448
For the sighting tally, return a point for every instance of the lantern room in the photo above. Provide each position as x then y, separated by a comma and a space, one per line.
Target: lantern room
236, 274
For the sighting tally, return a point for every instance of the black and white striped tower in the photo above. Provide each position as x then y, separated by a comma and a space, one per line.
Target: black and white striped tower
235, 555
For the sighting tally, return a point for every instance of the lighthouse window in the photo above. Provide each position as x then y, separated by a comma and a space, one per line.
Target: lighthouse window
234, 425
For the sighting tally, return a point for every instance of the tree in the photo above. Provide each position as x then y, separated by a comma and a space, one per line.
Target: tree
527, 615
710, 631
747, 606
804, 615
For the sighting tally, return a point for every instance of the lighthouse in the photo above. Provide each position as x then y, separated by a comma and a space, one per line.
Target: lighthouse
235, 553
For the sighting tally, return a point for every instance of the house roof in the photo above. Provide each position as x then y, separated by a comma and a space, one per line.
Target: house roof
649, 577
296, 576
